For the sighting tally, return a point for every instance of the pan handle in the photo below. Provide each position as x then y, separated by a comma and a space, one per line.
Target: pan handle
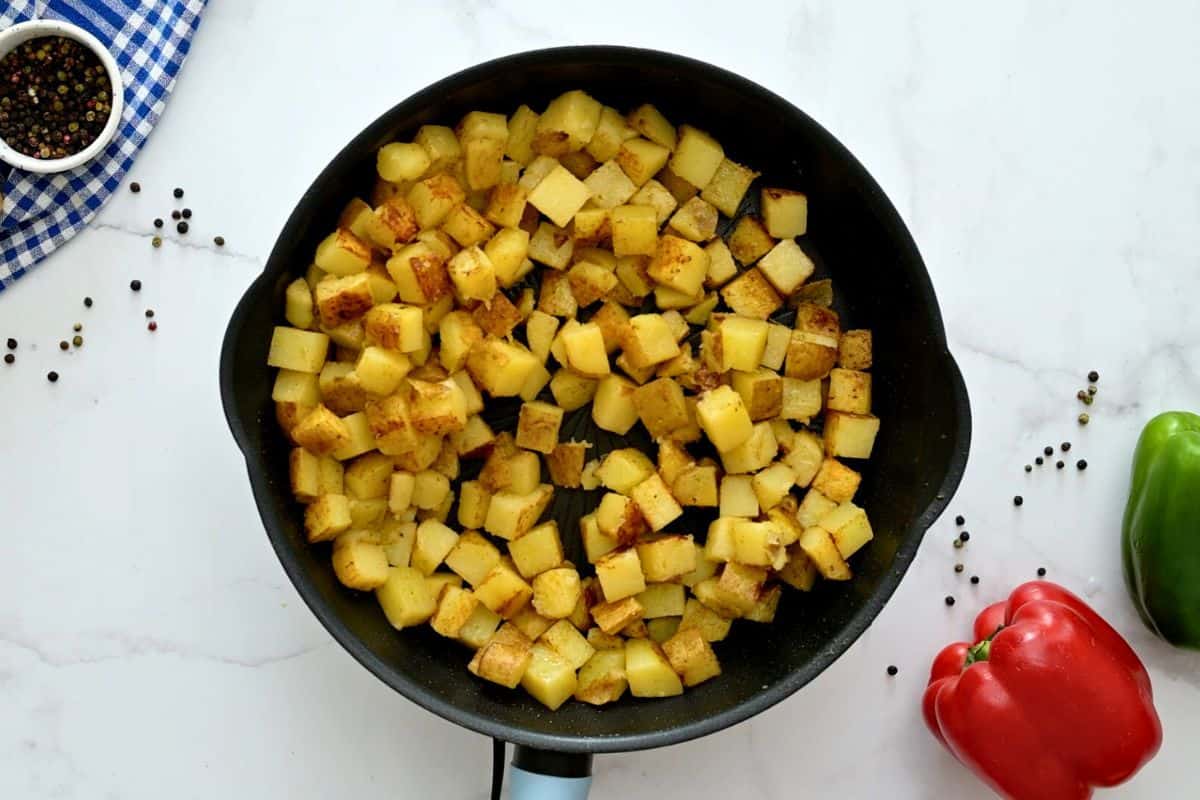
549, 775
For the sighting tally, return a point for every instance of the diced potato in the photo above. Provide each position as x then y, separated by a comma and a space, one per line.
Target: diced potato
590, 282
501, 367
368, 477
850, 435
595, 543
655, 195
302, 388
854, 351
818, 545
304, 474
556, 298
611, 131
728, 186
538, 425
395, 326
761, 391
531, 623
662, 628
836, 481
772, 484
397, 162
381, 371
661, 600
641, 159
321, 432
814, 346
609, 185
649, 122
619, 518
573, 391
751, 295
473, 275
326, 517
510, 515
367, 513
585, 350
616, 616
548, 677
785, 212
724, 418
440, 144
472, 557
850, 391
538, 550
755, 453
483, 160
556, 592
591, 226
479, 627
697, 156
360, 438
434, 542
437, 408
392, 222
696, 220
504, 658
559, 195
455, 610
602, 679
297, 350
565, 463
567, 124
624, 469
699, 617
405, 597
849, 527
655, 501
434, 198
298, 304
661, 406
468, 227
612, 406
600, 640
522, 127
786, 266
678, 264
620, 575
696, 486
742, 342
801, 399
800, 572
650, 340
634, 230
342, 253
508, 251
539, 330
667, 558
738, 498
419, 273
354, 218
813, 507
750, 240
631, 272
768, 603
472, 439
648, 671
691, 656
551, 246
458, 333
504, 591
758, 544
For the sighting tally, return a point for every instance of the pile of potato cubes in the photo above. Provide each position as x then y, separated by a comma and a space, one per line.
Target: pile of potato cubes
417, 310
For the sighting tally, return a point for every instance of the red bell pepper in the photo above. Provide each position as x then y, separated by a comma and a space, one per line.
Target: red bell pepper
1049, 703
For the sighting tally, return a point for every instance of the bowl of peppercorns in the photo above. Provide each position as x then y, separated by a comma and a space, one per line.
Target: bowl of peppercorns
61, 96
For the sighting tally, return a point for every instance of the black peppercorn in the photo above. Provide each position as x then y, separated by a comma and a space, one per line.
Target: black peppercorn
1039, 461
136, 285
182, 227
949, 600
1018, 500
149, 313
1048, 450
960, 520
52, 376
158, 223
1093, 376
1041, 572
892, 670
974, 579
135, 187
176, 215
187, 213
1081, 464
1059, 464
12, 343
965, 536
1066, 446
87, 302
178, 193
1029, 467
219, 241
9, 358
958, 567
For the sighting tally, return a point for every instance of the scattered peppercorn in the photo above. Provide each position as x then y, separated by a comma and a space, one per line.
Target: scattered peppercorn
1039, 461
87, 302
219, 241
1092, 390
1088, 399
55, 98
64, 345
1029, 467
9, 358
135, 187
960, 520
1082, 395
1059, 464
1093, 376
153, 326
12, 343
182, 227
178, 192
77, 327
187, 213
892, 670
156, 241
1081, 464
77, 341
176, 215
949, 600
1084, 419
958, 567
1065, 446
1041, 572
52, 376
965, 536
136, 285
1018, 500
149, 313
1048, 450
958, 543
158, 223
975, 579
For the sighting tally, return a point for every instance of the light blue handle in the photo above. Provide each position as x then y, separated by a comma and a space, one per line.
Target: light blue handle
531, 786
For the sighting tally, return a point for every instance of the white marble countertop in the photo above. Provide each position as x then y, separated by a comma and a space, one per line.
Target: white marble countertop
1045, 157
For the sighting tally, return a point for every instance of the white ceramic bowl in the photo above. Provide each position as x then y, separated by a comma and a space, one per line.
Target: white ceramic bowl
10, 38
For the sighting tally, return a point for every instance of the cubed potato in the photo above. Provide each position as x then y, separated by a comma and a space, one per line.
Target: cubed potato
724, 418
624, 469
383, 290
573, 391
662, 628
540, 329
751, 295
507, 251
648, 671
565, 639
497, 472
298, 304
326, 517
650, 341
805, 457
369, 476
455, 610
301, 388
612, 406
367, 513
522, 127
836, 481
595, 543
849, 527
585, 350
504, 658
749, 240
381, 371
673, 459
661, 600
590, 283
641, 159
649, 122
738, 498
679, 264
696, 220
565, 463
786, 266
400, 491
631, 272
801, 399
591, 226
611, 130
483, 160
766, 606
818, 545
691, 656
391, 223
639, 375
742, 342
537, 551
405, 598
434, 542
458, 333
349, 338
728, 186
538, 425
600, 640
472, 557
567, 124
680, 189
552, 246
395, 326
800, 572
602, 679
473, 439
813, 507
559, 195
556, 592
609, 185
437, 408
479, 627
785, 434
501, 367
720, 545
711, 626
667, 557
850, 435
524, 472
354, 218
361, 439
530, 623
761, 392
655, 195
321, 431
772, 484
634, 230
755, 453
620, 576
440, 144
342, 253
849, 391
438, 242
433, 198
661, 406
473, 275
655, 501
468, 227
419, 273
619, 518
397, 162
510, 514
854, 349
696, 486
814, 346
697, 156
504, 591
297, 350
613, 617
785, 212
758, 544
304, 474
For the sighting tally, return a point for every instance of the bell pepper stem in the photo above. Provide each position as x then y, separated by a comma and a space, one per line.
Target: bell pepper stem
982, 650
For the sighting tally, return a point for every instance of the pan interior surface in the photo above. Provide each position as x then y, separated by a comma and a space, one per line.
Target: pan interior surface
856, 238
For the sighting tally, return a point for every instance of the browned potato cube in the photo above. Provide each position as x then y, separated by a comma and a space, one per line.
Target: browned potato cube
758, 544
567, 124
755, 453
814, 346
297, 350
854, 350
657, 196
785, 212
761, 392
696, 220
395, 326
537, 426
696, 156
467, 226
590, 282
818, 545
634, 230
618, 518
501, 367
711, 626
510, 514
342, 253
641, 159
750, 240
667, 557
504, 658
850, 435
556, 592
724, 418
433, 198
648, 671
573, 391
455, 609
620, 576
649, 122
660, 406
679, 264
691, 656
672, 459
850, 391
655, 501
552, 246
800, 572
531, 623
473, 557
405, 598
728, 186
764, 610
341, 300
612, 406
786, 266
321, 432
623, 469
565, 463
614, 616
503, 591
849, 527
696, 486
391, 223
437, 408
751, 295
836, 481
559, 195
419, 273
326, 517
538, 550
772, 484
602, 679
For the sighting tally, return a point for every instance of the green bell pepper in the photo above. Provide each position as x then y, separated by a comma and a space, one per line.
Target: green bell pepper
1161, 532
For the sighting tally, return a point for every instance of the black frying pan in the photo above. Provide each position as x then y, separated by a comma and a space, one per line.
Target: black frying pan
880, 282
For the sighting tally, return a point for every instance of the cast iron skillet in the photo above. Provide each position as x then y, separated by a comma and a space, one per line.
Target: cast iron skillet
855, 236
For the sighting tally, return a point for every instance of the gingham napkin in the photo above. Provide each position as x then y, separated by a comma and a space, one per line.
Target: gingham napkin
149, 39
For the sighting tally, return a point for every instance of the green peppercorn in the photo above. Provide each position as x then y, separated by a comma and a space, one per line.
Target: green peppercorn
156, 241
77, 327
77, 341
1084, 419
958, 543
1092, 390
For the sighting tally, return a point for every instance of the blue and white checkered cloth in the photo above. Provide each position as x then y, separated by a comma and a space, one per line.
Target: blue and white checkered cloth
149, 39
